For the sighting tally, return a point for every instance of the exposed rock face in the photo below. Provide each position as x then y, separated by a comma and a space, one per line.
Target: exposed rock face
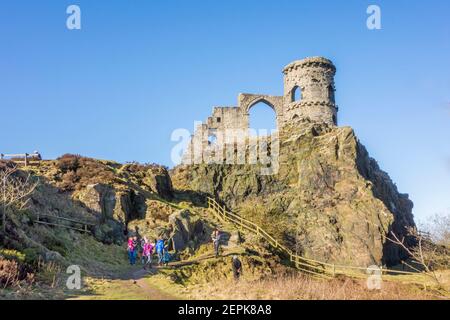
100, 198
115, 204
158, 179
186, 231
330, 199
130, 205
114, 198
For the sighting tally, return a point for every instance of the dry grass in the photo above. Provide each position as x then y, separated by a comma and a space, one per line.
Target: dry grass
13, 274
300, 287
9, 273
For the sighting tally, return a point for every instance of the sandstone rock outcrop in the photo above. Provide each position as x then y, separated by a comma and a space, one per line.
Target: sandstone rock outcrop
105, 192
158, 179
186, 230
329, 201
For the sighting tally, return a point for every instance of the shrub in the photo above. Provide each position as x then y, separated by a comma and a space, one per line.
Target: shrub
69, 162
9, 273
79, 172
31, 256
53, 243
438, 228
49, 273
69, 181
13, 269
92, 171
4, 164
12, 255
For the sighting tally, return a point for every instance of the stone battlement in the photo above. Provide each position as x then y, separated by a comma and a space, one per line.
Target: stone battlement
309, 62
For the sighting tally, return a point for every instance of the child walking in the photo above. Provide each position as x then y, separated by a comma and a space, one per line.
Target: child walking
147, 251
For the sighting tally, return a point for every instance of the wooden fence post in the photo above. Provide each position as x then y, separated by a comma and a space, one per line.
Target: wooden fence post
26, 159
224, 212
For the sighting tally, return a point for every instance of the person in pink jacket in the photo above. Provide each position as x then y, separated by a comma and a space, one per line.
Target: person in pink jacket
131, 249
147, 251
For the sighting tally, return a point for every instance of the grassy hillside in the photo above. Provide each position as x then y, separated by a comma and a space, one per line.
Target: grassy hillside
140, 199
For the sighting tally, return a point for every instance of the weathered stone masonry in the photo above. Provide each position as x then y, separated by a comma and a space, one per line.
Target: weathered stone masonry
308, 94
315, 78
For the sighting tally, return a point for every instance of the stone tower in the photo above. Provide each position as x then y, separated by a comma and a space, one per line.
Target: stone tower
308, 94
309, 91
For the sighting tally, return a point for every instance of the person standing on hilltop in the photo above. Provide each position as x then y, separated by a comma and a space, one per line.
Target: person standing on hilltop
237, 267
216, 235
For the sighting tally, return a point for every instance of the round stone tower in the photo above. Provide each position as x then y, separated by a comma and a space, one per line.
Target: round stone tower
309, 91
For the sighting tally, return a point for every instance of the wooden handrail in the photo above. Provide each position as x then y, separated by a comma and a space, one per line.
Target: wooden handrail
84, 225
27, 157
301, 263
67, 219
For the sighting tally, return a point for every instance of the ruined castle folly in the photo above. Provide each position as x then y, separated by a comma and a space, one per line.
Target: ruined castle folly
308, 95
323, 197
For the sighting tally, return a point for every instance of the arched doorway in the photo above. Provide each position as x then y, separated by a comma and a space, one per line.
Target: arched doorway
262, 119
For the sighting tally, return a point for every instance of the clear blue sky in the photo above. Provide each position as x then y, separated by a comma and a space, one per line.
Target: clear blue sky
137, 70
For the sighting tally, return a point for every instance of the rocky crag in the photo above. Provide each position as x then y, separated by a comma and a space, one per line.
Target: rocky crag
329, 200
117, 199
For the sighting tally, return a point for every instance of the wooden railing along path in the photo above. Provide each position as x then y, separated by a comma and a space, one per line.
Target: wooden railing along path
25, 158
55, 221
311, 266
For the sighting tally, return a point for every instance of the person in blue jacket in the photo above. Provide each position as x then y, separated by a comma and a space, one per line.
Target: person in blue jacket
160, 250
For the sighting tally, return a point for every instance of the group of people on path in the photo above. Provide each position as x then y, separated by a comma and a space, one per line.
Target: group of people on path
146, 249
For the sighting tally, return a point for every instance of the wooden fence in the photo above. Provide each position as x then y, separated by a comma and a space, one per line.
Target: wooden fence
73, 224
25, 158
311, 266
